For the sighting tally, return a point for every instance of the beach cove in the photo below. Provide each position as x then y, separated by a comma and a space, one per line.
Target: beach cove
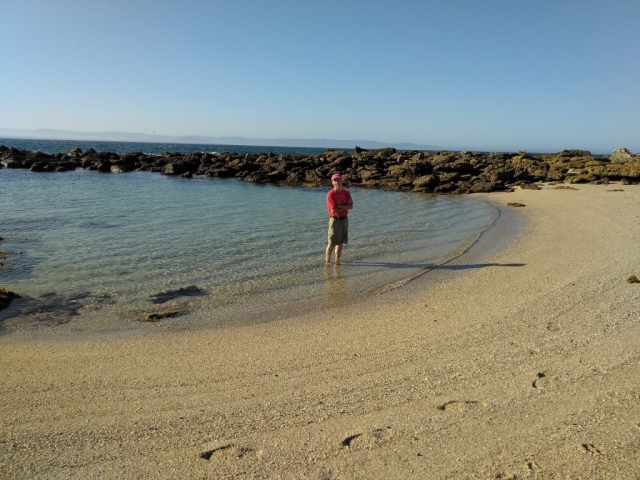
522, 364
99, 254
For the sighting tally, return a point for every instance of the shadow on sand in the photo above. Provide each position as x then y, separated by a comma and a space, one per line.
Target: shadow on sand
432, 266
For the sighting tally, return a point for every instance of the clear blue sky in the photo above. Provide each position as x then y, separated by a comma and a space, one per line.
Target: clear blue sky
481, 75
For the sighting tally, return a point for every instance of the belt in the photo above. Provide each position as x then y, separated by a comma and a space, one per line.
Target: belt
339, 218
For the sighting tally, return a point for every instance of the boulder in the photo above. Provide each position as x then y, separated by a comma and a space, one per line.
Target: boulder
581, 178
426, 183
621, 155
41, 167
66, 166
104, 166
119, 169
75, 152
483, 187
175, 168
6, 297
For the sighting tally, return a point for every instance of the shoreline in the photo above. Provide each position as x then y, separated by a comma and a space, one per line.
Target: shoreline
502, 231
524, 365
361, 276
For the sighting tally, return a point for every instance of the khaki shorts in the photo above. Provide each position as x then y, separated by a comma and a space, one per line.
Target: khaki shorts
338, 231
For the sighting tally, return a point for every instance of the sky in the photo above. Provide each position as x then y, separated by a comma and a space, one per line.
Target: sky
493, 75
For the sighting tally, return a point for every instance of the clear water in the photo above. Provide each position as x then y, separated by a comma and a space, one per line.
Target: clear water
102, 245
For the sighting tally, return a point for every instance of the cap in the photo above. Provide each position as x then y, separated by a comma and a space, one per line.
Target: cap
334, 176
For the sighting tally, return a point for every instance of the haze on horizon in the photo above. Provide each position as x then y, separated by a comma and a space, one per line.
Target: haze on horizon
488, 76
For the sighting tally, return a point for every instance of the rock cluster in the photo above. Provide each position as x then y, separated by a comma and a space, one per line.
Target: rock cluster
433, 172
6, 297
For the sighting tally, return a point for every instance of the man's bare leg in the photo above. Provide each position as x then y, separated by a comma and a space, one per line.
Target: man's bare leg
338, 253
327, 253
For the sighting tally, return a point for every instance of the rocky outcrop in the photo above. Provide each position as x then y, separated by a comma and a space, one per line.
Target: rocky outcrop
622, 155
387, 168
6, 297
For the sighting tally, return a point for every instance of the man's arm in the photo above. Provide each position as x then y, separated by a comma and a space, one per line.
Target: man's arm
344, 206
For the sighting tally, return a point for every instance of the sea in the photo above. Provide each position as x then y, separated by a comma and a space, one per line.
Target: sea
94, 254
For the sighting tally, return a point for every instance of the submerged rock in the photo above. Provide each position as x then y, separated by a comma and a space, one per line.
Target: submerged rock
6, 297
157, 316
53, 308
191, 291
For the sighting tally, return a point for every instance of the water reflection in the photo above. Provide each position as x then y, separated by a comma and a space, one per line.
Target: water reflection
335, 284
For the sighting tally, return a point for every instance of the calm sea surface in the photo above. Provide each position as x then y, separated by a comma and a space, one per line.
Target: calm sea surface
89, 251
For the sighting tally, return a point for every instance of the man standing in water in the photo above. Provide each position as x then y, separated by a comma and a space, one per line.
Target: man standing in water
338, 203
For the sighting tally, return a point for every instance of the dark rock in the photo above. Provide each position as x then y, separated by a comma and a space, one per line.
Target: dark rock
385, 152
446, 188
312, 178
174, 169
440, 172
42, 167
75, 152
66, 166
157, 316
580, 178
56, 309
426, 182
6, 297
368, 174
447, 177
575, 153
104, 166
483, 187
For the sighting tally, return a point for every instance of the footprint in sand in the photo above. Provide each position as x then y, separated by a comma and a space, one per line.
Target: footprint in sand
458, 405
591, 448
553, 327
227, 451
368, 439
542, 381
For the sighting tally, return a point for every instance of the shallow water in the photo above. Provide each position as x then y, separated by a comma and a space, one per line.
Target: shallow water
97, 247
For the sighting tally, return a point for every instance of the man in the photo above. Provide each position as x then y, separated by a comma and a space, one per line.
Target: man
339, 203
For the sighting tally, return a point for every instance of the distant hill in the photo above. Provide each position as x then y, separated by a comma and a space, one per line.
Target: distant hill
48, 134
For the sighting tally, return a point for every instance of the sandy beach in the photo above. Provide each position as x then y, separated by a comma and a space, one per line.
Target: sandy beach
521, 365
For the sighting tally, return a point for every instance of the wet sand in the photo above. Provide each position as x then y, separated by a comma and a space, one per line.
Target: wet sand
522, 365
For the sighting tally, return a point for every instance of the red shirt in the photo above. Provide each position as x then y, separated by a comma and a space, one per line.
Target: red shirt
337, 198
